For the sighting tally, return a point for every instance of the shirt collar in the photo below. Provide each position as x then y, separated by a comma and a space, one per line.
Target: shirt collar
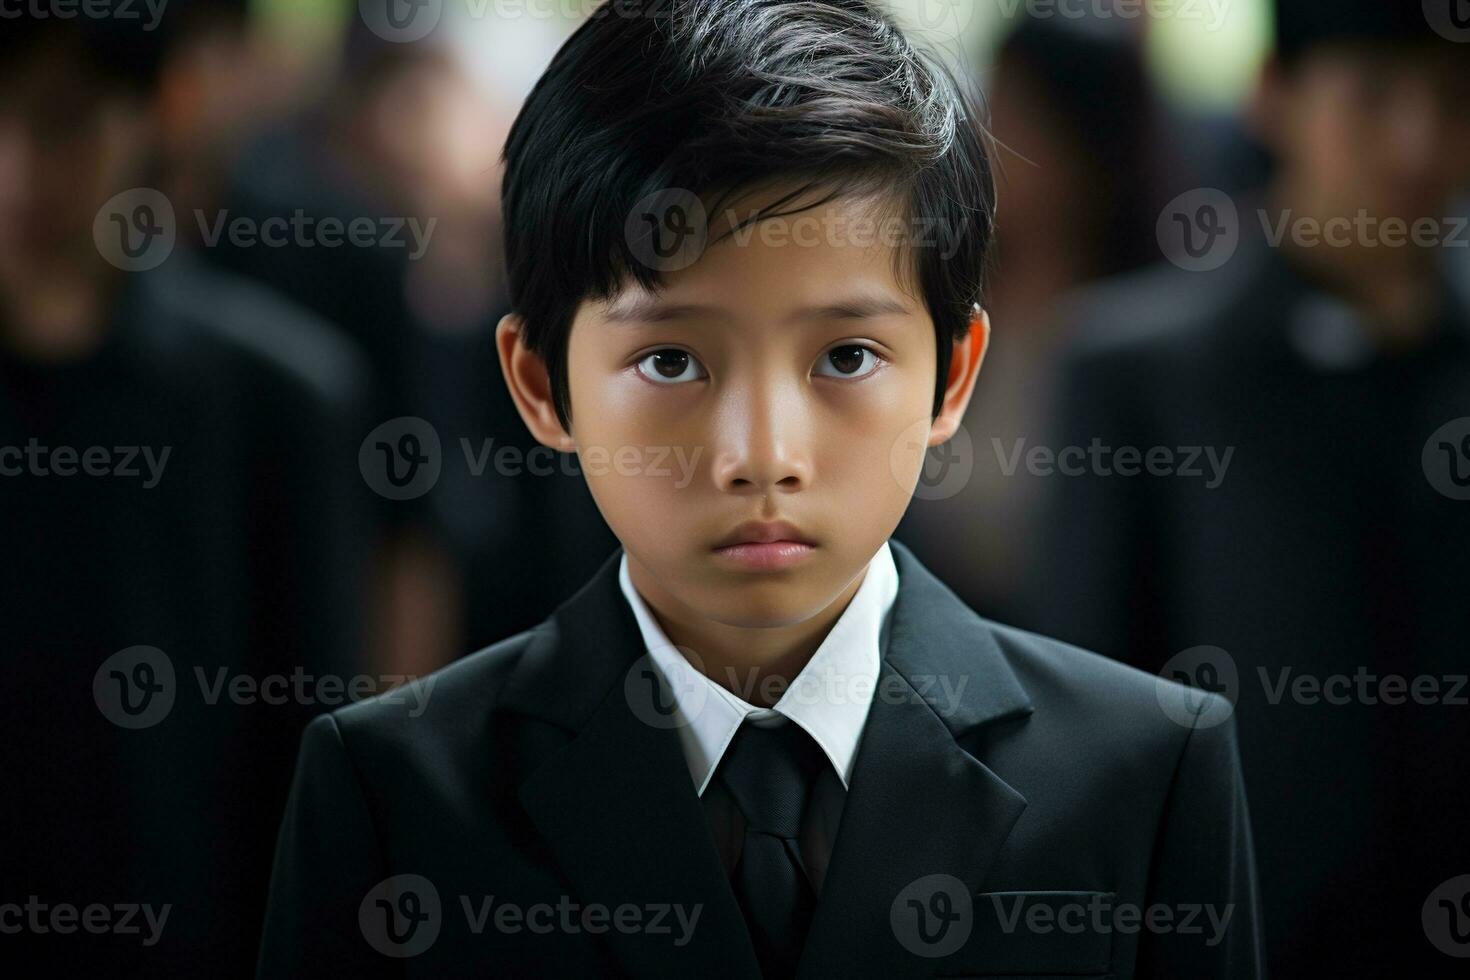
829, 699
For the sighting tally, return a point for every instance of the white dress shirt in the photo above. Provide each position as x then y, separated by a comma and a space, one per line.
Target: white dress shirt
829, 699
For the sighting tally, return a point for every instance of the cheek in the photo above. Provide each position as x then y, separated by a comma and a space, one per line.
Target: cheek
876, 445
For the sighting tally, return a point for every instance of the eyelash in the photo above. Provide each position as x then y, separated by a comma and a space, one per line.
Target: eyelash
878, 361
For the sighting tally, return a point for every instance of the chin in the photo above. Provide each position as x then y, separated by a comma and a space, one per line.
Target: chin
773, 602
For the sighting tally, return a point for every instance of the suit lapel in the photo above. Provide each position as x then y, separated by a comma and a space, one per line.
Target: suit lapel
918, 804
615, 803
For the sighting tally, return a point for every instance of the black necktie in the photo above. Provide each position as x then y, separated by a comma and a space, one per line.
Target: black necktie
769, 773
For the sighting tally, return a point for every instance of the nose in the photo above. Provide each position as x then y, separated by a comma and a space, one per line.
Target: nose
763, 431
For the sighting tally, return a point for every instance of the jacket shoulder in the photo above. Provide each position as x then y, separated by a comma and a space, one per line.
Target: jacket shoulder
1106, 701
455, 702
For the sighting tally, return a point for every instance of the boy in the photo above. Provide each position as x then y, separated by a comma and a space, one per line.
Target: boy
762, 740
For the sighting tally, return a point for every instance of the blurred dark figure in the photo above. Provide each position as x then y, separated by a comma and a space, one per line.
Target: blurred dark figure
178, 471
491, 549
1073, 114
1328, 551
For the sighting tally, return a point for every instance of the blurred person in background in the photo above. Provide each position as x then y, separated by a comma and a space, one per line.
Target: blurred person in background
178, 473
1073, 116
402, 131
1297, 541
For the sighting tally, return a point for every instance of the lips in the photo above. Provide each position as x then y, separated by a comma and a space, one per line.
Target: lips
765, 532
765, 546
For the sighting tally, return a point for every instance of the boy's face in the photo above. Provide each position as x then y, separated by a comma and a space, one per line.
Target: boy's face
769, 381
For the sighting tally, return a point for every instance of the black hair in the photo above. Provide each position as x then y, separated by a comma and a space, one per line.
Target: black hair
1304, 25
719, 96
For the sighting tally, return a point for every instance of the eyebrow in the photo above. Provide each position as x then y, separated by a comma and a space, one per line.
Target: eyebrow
649, 309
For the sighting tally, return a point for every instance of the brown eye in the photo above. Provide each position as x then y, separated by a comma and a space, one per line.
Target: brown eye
670, 366
848, 361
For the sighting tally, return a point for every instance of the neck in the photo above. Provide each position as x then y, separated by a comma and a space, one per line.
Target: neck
755, 664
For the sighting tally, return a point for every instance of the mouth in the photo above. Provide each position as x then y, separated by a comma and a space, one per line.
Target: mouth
765, 546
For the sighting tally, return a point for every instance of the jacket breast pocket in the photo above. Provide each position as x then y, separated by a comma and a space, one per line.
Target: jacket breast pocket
1036, 935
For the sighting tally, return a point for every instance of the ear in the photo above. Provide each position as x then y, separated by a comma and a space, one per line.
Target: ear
530, 384
964, 368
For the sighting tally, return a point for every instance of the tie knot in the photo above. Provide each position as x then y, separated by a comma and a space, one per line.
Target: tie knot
769, 772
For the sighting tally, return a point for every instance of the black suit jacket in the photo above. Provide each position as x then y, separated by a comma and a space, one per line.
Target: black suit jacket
1325, 553
1028, 774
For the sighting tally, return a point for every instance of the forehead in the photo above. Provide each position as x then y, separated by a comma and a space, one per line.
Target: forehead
770, 257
